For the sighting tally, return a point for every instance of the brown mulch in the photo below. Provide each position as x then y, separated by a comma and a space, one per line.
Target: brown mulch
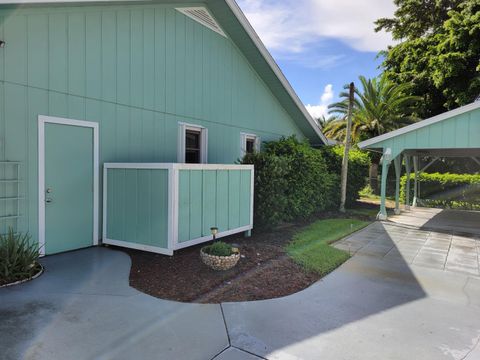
264, 271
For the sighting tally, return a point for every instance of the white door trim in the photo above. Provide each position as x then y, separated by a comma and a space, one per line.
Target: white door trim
41, 173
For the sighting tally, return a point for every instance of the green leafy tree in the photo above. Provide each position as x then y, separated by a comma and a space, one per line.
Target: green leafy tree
379, 106
438, 51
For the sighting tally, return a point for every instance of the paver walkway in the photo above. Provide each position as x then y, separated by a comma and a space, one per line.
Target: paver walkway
440, 220
447, 250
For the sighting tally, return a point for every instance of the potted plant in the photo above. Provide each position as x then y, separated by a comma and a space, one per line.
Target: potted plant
219, 255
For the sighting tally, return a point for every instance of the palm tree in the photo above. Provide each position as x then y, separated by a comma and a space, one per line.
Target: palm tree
379, 106
323, 121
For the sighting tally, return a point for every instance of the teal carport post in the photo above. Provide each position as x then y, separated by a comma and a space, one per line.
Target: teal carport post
386, 159
397, 162
415, 182
408, 169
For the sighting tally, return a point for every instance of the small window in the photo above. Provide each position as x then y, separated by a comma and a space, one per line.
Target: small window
249, 143
192, 147
192, 144
250, 148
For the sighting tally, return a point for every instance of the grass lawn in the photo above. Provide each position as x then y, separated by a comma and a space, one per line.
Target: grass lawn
311, 247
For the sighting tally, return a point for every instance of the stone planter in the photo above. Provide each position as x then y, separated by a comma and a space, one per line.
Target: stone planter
220, 262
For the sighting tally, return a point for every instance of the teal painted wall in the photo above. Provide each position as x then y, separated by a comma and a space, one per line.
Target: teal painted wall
209, 198
137, 70
458, 132
137, 206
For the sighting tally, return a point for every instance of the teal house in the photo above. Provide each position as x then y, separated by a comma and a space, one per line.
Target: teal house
122, 121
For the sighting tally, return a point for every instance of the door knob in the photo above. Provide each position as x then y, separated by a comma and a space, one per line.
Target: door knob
48, 191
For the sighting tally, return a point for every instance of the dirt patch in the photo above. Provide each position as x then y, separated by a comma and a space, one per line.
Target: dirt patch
264, 271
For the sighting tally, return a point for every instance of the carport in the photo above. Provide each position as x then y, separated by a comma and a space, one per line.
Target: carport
455, 134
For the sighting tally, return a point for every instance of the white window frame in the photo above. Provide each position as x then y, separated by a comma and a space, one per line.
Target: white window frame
243, 142
182, 129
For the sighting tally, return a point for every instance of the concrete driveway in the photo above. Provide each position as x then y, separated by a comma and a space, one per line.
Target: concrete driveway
381, 304
83, 308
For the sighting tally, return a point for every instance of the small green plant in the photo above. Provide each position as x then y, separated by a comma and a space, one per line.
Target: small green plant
367, 191
18, 257
218, 248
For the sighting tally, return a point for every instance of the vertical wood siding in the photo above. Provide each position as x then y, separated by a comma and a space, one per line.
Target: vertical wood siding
461, 131
209, 198
137, 206
137, 71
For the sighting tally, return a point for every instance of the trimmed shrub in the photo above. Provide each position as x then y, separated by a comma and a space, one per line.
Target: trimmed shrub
456, 191
310, 185
270, 202
218, 248
358, 165
18, 257
294, 181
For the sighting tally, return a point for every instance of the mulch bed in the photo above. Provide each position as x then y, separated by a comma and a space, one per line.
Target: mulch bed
264, 271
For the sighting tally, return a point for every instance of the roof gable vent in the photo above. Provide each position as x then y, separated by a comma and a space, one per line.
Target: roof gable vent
203, 16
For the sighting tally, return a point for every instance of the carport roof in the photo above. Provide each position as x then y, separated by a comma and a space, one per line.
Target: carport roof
454, 133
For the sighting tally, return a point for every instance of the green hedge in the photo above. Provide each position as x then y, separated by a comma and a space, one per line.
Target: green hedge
456, 191
294, 181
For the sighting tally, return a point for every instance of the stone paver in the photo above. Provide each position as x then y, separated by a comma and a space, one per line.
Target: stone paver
440, 220
446, 251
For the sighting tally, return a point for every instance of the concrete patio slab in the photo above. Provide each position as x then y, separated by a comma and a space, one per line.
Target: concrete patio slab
82, 307
364, 310
372, 307
440, 220
235, 354
393, 299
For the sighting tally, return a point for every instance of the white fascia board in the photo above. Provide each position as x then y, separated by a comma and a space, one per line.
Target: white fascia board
420, 124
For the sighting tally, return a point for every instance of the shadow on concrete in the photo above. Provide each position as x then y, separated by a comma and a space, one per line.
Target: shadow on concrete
455, 221
441, 220
82, 307
378, 278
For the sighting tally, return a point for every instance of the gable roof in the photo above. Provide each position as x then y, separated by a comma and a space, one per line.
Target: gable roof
235, 24
370, 143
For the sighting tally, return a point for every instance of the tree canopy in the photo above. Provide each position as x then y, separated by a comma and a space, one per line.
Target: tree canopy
438, 51
379, 106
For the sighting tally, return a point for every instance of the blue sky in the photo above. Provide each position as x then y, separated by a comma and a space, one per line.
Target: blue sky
321, 45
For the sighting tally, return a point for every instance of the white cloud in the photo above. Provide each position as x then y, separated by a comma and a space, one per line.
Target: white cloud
293, 26
312, 60
317, 111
